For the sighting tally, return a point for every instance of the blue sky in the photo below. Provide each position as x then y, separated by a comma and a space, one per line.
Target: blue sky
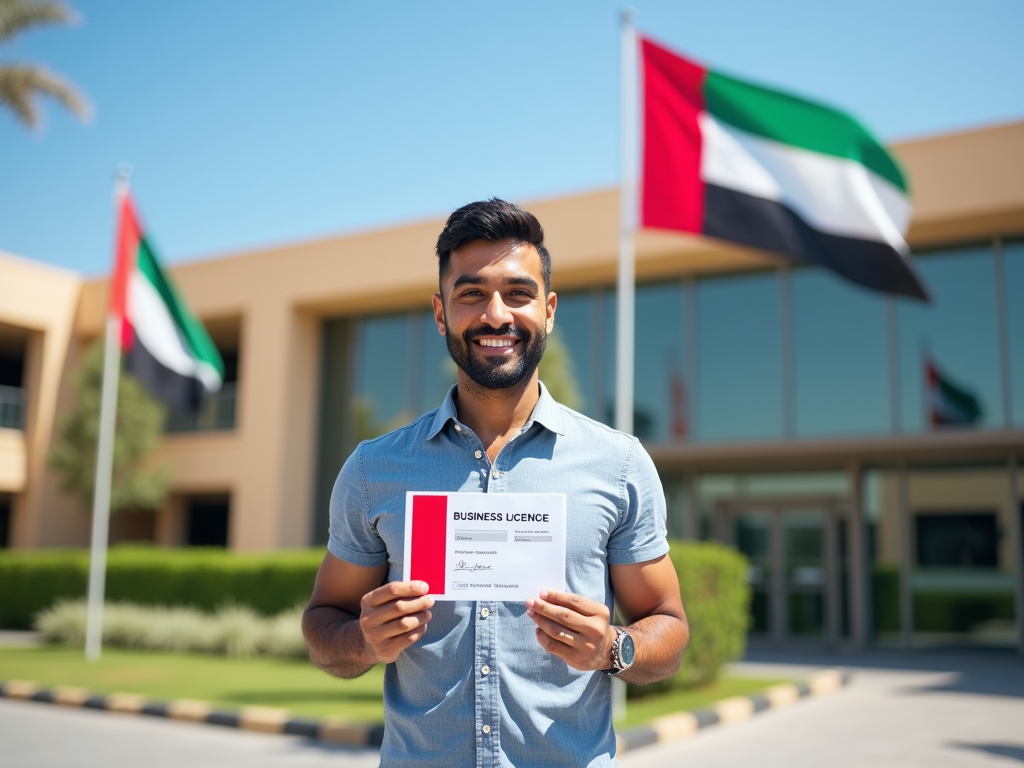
254, 123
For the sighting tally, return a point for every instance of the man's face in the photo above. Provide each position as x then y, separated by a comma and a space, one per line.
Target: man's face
493, 312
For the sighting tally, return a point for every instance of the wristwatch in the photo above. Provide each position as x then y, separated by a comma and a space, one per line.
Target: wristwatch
623, 652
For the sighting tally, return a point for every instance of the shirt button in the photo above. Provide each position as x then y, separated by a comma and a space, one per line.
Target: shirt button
479, 454
486, 729
458, 428
495, 473
485, 612
485, 670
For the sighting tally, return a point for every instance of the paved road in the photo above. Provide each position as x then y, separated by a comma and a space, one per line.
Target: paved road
933, 711
46, 736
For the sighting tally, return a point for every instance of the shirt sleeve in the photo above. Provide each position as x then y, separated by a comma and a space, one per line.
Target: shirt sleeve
353, 537
641, 534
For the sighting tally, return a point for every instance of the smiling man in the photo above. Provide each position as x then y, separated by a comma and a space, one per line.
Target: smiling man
499, 683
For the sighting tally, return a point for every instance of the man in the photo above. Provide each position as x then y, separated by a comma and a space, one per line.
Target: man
499, 683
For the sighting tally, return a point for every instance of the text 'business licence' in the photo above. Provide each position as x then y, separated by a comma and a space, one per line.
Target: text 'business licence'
481, 546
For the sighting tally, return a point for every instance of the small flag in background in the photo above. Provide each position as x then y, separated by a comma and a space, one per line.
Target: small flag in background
948, 404
729, 159
166, 347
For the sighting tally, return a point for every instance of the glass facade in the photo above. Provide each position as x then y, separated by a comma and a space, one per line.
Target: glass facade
1013, 259
958, 330
948, 528
714, 356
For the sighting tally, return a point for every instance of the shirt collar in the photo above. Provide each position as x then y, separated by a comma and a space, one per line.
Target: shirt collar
547, 413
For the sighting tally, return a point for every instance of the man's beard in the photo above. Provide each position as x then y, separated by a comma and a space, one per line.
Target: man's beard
498, 372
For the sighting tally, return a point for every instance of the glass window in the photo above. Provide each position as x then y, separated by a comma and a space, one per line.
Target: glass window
958, 331
384, 391
437, 369
573, 338
659, 388
739, 380
839, 356
1013, 255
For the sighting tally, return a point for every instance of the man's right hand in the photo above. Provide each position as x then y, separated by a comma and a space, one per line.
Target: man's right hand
393, 617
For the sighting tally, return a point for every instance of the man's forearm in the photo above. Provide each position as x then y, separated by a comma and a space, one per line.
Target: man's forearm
659, 641
336, 642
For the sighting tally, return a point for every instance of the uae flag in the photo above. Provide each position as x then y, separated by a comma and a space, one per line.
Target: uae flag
733, 160
948, 404
165, 346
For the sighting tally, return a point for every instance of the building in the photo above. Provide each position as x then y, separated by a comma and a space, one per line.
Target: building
785, 410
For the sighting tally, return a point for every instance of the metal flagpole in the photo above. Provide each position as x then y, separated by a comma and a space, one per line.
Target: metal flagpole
627, 275
627, 228
104, 459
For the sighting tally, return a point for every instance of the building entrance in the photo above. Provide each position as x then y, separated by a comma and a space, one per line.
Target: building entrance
795, 568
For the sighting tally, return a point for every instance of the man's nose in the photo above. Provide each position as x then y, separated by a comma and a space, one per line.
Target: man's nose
496, 313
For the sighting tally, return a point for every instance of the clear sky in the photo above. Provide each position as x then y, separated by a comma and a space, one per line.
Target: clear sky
255, 123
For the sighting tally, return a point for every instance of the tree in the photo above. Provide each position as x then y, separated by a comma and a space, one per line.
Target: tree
559, 374
21, 84
140, 422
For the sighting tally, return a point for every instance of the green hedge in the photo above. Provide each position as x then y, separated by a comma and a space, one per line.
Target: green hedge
716, 596
935, 611
205, 578
712, 580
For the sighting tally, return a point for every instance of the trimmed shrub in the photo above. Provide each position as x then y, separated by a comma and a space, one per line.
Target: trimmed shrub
232, 630
268, 583
716, 596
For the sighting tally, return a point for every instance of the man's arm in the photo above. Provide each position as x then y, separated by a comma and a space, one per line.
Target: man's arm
578, 630
355, 620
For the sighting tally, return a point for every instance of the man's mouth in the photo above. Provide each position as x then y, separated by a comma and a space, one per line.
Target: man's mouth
495, 342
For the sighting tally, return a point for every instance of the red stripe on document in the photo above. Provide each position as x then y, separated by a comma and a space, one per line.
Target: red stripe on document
429, 540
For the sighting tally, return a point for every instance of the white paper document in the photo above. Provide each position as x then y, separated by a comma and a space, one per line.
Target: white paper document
482, 546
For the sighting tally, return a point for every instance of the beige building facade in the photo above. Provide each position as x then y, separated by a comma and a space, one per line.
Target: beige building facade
328, 341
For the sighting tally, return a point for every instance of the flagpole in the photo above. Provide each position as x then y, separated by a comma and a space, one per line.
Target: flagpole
104, 460
626, 288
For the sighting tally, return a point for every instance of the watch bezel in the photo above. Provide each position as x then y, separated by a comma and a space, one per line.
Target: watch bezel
618, 663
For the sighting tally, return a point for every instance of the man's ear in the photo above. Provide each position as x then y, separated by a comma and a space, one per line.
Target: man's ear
439, 314
552, 303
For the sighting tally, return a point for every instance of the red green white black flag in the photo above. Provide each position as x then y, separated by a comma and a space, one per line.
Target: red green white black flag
165, 346
730, 159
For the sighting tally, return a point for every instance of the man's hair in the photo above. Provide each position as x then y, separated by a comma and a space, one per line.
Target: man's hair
492, 220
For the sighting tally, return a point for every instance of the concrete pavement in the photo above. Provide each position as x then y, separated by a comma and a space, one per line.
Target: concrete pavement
899, 711
912, 710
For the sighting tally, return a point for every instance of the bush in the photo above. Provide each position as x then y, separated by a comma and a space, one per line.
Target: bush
205, 579
713, 584
232, 630
935, 611
716, 596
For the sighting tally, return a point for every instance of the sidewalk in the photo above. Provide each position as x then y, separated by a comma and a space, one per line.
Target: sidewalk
899, 710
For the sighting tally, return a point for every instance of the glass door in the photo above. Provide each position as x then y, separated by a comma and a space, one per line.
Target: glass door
806, 582
794, 565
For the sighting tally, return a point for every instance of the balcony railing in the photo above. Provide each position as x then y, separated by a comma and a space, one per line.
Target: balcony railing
12, 407
217, 413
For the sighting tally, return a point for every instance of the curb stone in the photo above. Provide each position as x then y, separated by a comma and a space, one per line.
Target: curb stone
666, 729
678, 726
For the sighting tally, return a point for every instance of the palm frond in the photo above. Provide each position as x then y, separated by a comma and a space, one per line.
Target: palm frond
17, 16
21, 84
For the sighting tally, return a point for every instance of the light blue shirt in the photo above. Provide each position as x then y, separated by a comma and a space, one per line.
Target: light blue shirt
478, 689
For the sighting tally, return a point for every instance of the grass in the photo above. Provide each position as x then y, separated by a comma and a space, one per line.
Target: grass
292, 684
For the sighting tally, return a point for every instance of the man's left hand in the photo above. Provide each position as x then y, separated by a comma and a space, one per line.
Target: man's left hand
573, 628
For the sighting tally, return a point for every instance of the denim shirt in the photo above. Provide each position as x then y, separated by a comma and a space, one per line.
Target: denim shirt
477, 689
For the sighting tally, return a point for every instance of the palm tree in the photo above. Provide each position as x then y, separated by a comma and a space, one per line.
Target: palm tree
21, 84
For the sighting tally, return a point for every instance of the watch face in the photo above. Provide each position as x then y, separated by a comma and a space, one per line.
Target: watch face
627, 652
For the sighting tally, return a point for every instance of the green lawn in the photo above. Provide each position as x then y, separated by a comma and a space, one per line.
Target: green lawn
295, 685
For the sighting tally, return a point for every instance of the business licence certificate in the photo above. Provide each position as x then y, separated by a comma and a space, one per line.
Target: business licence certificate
482, 546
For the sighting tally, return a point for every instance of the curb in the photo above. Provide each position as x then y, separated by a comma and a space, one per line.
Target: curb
666, 729
261, 719
678, 726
